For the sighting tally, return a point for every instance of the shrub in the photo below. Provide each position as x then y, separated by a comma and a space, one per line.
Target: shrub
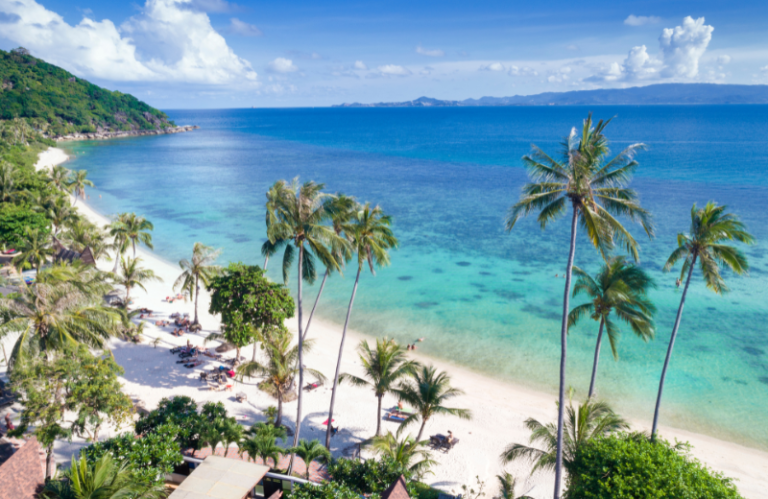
629, 466
15, 219
180, 412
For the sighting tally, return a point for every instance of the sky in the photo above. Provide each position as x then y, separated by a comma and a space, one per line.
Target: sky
184, 54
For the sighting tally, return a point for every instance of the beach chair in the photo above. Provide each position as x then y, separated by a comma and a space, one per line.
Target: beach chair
313, 386
394, 417
241, 397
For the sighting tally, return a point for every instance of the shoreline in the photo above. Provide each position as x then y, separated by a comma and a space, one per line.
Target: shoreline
124, 134
499, 407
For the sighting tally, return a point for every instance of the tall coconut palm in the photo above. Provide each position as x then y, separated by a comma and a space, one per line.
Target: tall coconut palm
588, 421
407, 452
199, 269
383, 367
276, 241
619, 289
427, 392
61, 214
35, 250
118, 231
711, 227
310, 451
507, 485
371, 235
262, 447
132, 275
8, 182
341, 209
78, 183
298, 216
231, 433
279, 370
59, 176
58, 312
595, 189
83, 234
137, 231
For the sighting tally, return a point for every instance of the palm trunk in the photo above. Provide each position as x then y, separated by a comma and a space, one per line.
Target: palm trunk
338, 362
197, 295
319, 293
279, 418
133, 243
253, 359
117, 261
564, 356
378, 420
669, 349
266, 261
421, 430
301, 364
597, 358
49, 462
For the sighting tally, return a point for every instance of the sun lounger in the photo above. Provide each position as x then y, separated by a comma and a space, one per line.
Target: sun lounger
395, 417
193, 364
313, 386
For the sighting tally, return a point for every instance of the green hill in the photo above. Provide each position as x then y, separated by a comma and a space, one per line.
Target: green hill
56, 103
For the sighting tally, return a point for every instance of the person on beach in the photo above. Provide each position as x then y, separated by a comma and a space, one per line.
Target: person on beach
449, 438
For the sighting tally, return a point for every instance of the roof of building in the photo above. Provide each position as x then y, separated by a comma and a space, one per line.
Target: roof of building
70, 255
22, 475
220, 478
397, 490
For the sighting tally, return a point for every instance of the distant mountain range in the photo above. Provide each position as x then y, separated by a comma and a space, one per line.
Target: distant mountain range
661, 94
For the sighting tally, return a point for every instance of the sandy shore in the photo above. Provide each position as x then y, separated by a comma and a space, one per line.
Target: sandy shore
499, 408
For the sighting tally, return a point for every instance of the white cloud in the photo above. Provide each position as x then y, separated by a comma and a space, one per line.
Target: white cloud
634, 20
211, 5
683, 46
360, 65
494, 66
764, 69
572, 46
394, 70
524, 71
724, 59
429, 52
168, 40
282, 65
242, 28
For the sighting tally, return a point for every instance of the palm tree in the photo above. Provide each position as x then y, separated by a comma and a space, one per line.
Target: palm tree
137, 231
507, 485
78, 183
427, 392
57, 312
404, 452
200, 269
371, 236
596, 191
619, 287
383, 367
231, 432
711, 226
61, 214
118, 231
262, 447
35, 250
311, 451
341, 209
279, 370
212, 434
267, 430
590, 420
297, 218
83, 234
275, 242
132, 275
103, 478
59, 176
8, 177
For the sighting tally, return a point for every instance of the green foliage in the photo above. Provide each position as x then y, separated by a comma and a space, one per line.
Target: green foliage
15, 219
310, 451
370, 476
180, 412
151, 456
328, 490
628, 466
51, 99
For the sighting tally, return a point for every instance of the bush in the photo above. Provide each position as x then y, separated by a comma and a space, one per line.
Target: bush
15, 219
180, 412
328, 490
629, 466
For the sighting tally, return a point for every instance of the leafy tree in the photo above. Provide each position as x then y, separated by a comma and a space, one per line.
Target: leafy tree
711, 227
407, 452
427, 392
596, 191
9, 188
180, 412
588, 421
628, 466
35, 250
310, 451
247, 302
372, 476
621, 288
132, 275
150, 456
383, 367
199, 269
371, 236
17, 220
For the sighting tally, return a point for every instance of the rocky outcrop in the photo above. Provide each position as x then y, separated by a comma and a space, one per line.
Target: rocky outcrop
103, 135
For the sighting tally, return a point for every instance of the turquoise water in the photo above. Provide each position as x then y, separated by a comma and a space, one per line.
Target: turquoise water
482, 298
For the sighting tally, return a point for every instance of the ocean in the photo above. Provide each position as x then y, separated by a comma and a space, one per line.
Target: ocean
481, 297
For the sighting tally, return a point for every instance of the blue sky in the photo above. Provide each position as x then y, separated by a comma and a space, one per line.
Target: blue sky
216, 53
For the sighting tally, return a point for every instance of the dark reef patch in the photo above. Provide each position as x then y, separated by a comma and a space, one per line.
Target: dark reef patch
405, 278
507, 294
541, 312
757, 352
427, 304
486, 273
763, 379
437, 271
463, 264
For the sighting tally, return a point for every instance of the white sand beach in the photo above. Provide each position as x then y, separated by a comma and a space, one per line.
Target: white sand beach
499, 408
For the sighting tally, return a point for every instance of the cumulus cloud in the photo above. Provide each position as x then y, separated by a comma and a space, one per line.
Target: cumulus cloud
683, 46
764, 69
634, 20
494, 66
429, 52
360, 65
724, 59
572, 46
239, 27
394, 70
282, 65
168, 40
524, 71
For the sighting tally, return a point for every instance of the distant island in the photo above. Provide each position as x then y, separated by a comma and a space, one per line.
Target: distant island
61, 106
660, 94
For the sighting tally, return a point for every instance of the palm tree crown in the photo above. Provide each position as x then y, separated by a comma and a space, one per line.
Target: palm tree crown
619, 288
78, 183
200, 270
310, 451
132, 275
407, 452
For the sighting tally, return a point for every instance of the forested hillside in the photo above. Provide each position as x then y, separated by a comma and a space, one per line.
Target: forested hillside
56, 103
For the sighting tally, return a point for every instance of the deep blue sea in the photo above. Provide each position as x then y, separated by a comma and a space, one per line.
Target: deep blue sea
483, 298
